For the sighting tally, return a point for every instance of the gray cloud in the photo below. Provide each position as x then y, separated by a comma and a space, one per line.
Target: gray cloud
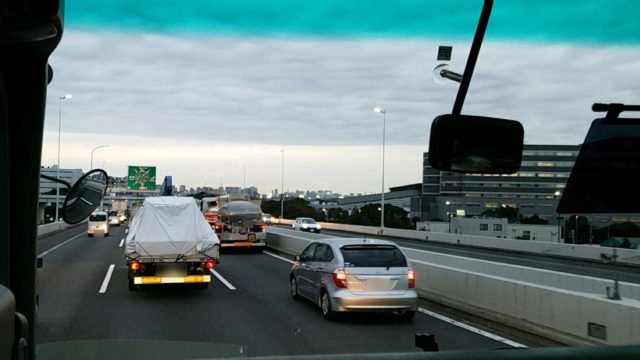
301, 92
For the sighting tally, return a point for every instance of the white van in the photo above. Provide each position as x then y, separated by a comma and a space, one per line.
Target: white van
98, 223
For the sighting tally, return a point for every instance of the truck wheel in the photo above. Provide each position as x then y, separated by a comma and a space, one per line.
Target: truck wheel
132, 286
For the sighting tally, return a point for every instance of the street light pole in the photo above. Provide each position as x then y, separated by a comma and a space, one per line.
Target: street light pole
244, 178
68, 96
384, 123
282, 189
449, 214
94, 149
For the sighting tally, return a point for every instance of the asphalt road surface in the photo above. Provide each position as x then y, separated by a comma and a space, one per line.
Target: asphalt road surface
84, 295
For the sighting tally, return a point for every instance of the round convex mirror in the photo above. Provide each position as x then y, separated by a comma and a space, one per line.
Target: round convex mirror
85, 196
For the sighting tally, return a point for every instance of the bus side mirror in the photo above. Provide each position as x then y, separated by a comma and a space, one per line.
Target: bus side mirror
475, 144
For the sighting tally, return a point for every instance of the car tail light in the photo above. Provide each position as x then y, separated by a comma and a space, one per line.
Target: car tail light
411, 277
134, 265
339, 278
209, 264
261, 226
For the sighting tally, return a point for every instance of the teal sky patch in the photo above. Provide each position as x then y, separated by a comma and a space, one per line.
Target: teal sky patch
585, 21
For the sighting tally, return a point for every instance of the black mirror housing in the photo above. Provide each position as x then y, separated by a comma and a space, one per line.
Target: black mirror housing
475, 144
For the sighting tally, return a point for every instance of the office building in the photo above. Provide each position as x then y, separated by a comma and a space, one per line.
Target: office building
535, 189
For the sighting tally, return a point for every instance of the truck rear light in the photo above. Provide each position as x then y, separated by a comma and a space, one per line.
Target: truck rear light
339, 278
411, 277
209, 264
134, 265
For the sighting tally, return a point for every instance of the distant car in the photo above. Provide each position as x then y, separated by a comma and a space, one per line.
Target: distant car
267, 219
306, 224
123, 217
98, 223
342, 275
114, 218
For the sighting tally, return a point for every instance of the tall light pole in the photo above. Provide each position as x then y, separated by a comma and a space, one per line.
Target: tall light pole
68, 96
449, 214
384, 122
94, 149
244, 178
282, 188
575, 231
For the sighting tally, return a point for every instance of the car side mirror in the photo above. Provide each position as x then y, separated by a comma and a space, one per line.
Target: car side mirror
297, 258
475, 144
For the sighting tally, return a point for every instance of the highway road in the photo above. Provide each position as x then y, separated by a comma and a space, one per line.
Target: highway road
629, 274
83, 295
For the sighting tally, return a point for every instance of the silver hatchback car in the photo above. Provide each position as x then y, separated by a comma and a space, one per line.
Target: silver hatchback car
342, 275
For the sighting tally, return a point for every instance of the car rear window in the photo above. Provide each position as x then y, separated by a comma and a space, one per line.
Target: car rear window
308, 221
373, 256
98, 217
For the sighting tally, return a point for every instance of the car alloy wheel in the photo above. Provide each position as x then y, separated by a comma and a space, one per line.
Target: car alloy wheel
293, 286
325, 306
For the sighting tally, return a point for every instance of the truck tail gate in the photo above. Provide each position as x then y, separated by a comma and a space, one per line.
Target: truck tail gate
190, 279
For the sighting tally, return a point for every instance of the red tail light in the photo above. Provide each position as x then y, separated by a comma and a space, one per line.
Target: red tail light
134, 265
411, 277
261, 226
339, 278
209, 264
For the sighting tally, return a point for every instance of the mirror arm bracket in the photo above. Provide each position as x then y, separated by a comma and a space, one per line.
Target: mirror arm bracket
473, 56
50, 178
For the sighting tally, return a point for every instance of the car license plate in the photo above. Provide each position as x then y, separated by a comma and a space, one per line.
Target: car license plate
252, 237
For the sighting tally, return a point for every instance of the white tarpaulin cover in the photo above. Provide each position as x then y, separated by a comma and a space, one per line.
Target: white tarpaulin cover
169, 226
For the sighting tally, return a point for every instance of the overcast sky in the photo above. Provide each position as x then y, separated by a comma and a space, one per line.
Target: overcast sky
200, 105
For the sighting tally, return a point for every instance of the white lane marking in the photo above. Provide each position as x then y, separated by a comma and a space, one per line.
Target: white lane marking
121, 243
44, 253
223, 280
107, 278
472, 329
126, 231
278, 257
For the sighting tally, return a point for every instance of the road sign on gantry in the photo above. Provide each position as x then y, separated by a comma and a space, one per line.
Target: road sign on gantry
141, 178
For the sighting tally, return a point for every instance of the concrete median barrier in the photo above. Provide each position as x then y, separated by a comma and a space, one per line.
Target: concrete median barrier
587, 252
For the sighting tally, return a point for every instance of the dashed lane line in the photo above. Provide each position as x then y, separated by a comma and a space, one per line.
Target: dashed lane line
223, 280
107, 278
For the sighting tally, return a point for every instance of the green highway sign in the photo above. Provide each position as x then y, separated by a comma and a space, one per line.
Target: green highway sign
141, 178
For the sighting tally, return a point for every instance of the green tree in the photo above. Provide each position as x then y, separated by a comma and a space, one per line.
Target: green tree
369, 215
625, 229
535, 219
338, 215
293, 208
511, 213
581, 233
